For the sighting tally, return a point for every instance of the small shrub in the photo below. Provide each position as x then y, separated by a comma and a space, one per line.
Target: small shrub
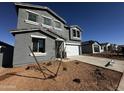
76, 80
27, 68
77, 62
64, 69
49, 63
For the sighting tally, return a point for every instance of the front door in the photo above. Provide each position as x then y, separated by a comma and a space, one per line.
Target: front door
58, 44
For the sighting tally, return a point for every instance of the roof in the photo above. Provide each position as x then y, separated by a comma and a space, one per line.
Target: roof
120, 45
46, 31
5, 44
18, 4
104, 43
76, 27
90, 42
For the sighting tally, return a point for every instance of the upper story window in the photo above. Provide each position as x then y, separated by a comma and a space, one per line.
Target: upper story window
38, 45
47, 21
57, 24
74, 33
32, 17
78, 33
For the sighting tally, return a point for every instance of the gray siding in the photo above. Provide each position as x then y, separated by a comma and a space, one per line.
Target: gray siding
22, 40
87, 49
22, 16
22, 52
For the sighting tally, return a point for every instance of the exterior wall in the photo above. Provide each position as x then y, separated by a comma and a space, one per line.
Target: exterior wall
6, 55
68, 37
71, 34
1, 59
87, 49
93, 48
22, 52
22, 16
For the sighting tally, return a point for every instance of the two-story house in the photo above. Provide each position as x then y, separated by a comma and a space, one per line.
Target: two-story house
45, 32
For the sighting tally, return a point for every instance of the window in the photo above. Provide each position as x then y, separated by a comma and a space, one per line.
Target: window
47, 21
74, 33
32, 17
57, 24
38, 45
78, 33
96, 48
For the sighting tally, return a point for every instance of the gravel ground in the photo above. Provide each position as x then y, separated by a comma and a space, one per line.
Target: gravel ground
73, 75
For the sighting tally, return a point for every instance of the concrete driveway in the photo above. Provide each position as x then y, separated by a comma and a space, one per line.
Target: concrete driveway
117, 66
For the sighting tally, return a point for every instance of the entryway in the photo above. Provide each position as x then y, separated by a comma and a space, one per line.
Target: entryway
59, 46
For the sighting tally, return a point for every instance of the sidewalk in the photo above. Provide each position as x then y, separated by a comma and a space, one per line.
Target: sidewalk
117, 66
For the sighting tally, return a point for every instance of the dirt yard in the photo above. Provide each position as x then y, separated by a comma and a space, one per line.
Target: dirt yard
73, 75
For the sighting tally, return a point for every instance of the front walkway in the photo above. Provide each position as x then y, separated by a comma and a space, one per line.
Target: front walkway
117, 66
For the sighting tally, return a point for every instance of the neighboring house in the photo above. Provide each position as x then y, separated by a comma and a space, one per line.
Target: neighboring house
45, 32
6, 54
113, 48
120, 49
105, 47
91, 47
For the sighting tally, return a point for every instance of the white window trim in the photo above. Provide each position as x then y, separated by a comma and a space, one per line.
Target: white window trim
32, 12
36, 36
47, 26
29, 21
76, 37
46, 17
94, 49
56, 27
72, 43
38, 54
44, 25
76, 33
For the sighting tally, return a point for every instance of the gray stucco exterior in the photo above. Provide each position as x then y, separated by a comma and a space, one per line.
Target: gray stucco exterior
22, 51
23, 39
88, 47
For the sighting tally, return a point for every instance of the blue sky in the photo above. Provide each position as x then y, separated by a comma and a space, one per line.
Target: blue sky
103, 22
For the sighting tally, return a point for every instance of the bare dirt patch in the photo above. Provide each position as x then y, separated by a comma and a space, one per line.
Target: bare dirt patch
73, 75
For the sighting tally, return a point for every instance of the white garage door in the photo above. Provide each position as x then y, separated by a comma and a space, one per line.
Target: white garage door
72, 50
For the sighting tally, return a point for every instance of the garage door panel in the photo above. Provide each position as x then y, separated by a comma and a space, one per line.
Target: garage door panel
72, 50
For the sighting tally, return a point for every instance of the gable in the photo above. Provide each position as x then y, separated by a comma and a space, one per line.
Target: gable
95, 43
40, 8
